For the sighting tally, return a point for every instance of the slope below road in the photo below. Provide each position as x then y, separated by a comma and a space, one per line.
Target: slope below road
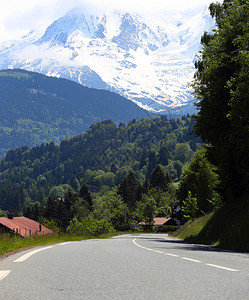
126, 267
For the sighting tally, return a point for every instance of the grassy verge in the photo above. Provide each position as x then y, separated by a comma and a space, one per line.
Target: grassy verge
227, 228
9, 244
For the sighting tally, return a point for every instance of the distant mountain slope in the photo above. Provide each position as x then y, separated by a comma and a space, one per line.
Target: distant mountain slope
146, 58
36, 109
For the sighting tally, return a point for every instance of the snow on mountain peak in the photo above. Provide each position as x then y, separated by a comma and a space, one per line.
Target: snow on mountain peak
148, 60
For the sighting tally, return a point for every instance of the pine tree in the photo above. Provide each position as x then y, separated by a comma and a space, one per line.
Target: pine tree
159, 179
127, 189
163, 158
86, 195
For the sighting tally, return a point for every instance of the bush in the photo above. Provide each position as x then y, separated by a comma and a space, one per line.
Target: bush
75, 227
89, 226
50, 224
95, 227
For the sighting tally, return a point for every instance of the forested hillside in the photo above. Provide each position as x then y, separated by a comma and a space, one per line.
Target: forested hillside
222, 86
102, 156
38, 109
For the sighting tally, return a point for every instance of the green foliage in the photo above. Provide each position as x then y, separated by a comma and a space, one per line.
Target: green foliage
11, 197
219, 228
164, 200
58, 212
104, 205
56, 192
85, 194
159, 179
183, 153
190, 207
103, 156
3, 213
127, 189
117, 209
148, 209
221, 85
111, 207
201, 179
50, 224
75, 227
95, 227
120, 218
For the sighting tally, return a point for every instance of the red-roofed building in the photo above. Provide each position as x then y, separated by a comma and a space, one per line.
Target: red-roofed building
157, 221
23, 226
160, 221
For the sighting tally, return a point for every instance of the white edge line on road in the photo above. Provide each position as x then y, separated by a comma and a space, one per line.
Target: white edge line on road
185, 258
223, 268
159, 251
170, 254
191, 259
26, 256
134, 242
4, 274
66, 243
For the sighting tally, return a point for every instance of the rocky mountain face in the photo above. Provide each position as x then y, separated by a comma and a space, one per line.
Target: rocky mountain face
149, 60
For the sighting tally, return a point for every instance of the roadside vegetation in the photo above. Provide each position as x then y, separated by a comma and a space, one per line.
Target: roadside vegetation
10, 244
222, 86
225, 228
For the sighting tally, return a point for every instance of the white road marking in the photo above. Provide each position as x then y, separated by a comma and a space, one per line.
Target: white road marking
221, 267
4, 274
191, 259
170, 254
26, 256
185, 258
150, 249
134, 242
159, 251
66, 243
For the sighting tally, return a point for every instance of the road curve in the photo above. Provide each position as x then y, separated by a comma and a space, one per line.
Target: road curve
125, 267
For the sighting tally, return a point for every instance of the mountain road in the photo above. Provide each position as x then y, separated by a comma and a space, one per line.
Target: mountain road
146, 266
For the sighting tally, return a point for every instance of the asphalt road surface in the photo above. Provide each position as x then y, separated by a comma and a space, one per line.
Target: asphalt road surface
125, 267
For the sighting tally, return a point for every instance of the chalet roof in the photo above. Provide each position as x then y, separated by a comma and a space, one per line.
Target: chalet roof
157, 221
24, 226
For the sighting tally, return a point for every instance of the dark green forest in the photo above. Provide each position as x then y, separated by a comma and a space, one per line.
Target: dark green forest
109, 178
100, 157
222, 86
37, 109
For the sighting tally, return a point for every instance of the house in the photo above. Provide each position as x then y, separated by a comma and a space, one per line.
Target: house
22, 226
161, 222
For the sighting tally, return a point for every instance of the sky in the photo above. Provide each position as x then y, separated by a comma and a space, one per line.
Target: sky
19, 17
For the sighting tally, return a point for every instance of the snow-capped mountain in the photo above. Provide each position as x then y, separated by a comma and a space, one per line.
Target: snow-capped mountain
146, 59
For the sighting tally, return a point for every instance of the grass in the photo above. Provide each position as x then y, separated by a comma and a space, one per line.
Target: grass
227, 227
193, 228
9, 244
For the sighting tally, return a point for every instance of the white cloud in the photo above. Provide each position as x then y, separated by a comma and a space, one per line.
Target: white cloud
19, 17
